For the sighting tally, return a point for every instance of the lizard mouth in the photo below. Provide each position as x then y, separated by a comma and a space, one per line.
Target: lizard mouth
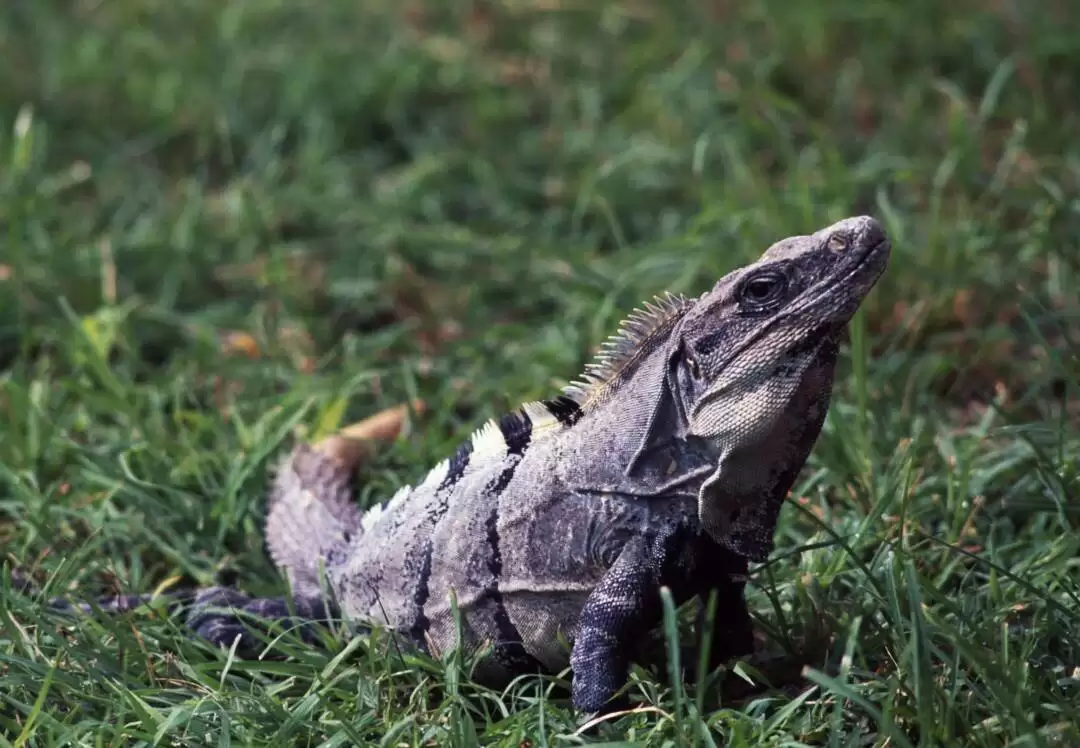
870, 264
858, 278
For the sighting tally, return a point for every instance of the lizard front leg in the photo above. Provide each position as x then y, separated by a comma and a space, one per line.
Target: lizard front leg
730, 636
732, 633
620, 609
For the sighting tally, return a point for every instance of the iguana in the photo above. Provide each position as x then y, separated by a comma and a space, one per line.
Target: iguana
666, 464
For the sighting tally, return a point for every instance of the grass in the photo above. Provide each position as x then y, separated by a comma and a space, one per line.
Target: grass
230, 225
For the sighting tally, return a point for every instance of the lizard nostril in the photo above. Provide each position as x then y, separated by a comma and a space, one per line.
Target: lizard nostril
873, 232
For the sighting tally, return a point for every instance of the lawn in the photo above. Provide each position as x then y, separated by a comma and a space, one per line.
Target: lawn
228, 226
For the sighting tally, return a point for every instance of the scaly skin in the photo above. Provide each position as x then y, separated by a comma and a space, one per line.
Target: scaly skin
667, 465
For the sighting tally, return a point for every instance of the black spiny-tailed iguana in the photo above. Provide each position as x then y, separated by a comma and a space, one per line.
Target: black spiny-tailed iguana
667, 464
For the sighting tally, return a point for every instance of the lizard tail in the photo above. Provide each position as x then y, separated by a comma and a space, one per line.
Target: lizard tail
108, 604
221, 616
311, 512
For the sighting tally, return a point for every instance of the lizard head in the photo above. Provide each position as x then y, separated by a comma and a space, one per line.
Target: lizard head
750, 369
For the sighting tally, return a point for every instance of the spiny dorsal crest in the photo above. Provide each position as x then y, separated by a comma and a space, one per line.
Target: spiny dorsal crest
510, 434
516, 431
634, 339
513, 432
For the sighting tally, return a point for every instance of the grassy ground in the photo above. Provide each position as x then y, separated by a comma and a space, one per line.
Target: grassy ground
228, 225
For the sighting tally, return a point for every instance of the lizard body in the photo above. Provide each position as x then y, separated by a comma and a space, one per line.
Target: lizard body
665, 465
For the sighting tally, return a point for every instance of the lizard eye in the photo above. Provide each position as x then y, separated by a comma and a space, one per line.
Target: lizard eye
762, 289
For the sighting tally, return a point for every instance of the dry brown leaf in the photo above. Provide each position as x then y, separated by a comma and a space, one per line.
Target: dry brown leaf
237, 341
354, 441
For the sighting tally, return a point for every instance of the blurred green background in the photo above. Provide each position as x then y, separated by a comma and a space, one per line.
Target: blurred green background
229, 225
